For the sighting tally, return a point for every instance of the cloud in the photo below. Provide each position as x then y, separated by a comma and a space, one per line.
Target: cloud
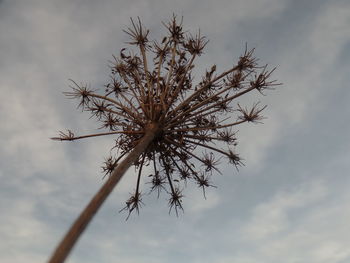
196, 204
272, 217
308, 224
22, 234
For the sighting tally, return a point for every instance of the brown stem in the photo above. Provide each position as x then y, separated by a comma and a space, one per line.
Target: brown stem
206, 127
93, 135
78, 227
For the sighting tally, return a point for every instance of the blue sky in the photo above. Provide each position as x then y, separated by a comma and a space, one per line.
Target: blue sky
289, 203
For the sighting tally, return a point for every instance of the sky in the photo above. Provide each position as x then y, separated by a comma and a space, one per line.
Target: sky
290, 202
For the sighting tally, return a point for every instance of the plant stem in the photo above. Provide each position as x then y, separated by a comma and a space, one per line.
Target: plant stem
78, 227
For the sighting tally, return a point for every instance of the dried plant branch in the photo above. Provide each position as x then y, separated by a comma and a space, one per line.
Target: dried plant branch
161, 118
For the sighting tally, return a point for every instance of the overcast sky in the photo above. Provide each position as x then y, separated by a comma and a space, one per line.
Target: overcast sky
290, 202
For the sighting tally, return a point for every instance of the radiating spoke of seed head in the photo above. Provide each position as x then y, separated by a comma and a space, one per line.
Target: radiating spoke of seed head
151, 83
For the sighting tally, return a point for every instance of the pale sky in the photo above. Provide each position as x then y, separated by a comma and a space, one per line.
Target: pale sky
290, 202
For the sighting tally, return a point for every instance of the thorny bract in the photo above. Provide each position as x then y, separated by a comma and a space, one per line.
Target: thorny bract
154, 84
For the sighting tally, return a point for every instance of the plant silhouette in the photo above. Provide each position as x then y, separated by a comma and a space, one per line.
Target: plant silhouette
160, 118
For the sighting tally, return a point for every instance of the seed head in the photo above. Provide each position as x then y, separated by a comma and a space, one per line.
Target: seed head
151, 83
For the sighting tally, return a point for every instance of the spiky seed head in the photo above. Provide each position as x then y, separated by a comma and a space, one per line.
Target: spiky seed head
151, 82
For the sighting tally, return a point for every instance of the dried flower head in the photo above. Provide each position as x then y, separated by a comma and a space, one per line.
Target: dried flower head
151, 90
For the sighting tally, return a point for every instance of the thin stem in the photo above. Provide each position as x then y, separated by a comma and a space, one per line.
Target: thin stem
160, 62
94, 135
145, 66
206, 128
139, 175
203, 137
165, 94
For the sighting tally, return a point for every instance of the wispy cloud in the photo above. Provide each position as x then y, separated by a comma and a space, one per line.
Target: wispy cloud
307, 224
272, 218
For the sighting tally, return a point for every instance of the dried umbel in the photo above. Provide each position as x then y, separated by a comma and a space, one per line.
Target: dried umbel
153, 85
162, 120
